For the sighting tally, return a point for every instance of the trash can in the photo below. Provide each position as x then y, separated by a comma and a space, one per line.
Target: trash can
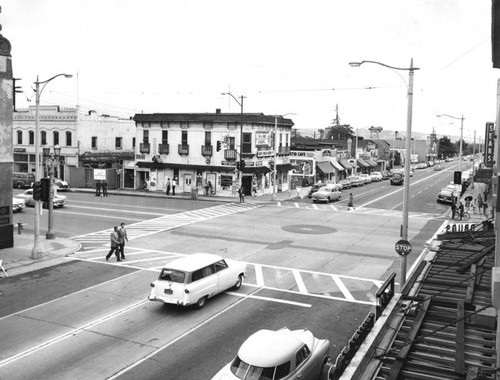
194, 193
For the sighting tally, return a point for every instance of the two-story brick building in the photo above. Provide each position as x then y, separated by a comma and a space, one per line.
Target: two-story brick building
183, 147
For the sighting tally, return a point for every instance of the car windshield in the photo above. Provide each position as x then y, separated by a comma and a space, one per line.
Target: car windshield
172, 275
245, 371
324, 188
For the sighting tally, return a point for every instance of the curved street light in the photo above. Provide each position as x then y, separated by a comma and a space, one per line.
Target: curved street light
461, 136
36, 252
406, 191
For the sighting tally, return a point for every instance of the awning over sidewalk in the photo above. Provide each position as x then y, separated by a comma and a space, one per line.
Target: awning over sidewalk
372, 163
336, 165
363, 163
325, 167
256, 170
346, 164
285, 167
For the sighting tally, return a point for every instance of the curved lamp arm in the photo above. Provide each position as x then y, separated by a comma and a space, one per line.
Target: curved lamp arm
357, 64
48, 80
232, 96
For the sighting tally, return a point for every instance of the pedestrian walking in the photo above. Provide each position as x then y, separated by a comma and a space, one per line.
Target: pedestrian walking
114, 245
104, 188
479, 204
467, 203
461, 210
168, 186
351, 200
207, 188
122, 237
98, 188
453, 210
174, 184
241, 193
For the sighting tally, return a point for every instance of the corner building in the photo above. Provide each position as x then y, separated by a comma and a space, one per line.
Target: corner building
183, 146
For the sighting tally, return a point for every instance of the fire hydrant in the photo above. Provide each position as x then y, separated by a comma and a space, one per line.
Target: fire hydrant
19, 227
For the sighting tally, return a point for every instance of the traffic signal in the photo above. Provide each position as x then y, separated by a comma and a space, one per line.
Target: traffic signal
45, 189
457, 178
242, 164
37, 190
219, 146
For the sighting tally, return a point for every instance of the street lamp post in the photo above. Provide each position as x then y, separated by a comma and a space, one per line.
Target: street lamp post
461, 137
240, 103
51, 160
406, 191
36, 252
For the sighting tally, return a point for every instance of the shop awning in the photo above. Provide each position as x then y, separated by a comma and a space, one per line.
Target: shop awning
336, 165
256, 169
346, 164
166, 165
372, 163
325, 167
363, 163
285, 167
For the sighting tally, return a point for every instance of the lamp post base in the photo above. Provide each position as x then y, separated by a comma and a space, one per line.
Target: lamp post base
36, 252
50, 236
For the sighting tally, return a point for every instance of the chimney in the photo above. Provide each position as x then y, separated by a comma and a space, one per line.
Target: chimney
217, 111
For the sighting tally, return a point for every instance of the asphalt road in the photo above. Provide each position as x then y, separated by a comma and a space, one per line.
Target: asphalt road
314, 266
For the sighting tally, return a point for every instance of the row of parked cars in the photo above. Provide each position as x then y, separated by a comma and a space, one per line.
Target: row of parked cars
321, 192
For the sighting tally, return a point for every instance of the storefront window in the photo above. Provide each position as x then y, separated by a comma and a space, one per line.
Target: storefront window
226, 182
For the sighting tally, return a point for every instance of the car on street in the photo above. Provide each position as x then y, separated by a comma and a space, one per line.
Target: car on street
23, 180
385, 174
365, 178
283, 354
355, 181
397, 178
438, 168
376, 176
346, 184
448, 194
193, 279
61, 185
315, 187
27, 196
327, 194
18, 204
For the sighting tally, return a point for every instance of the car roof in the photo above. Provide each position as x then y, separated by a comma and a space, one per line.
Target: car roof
268, 348
193, 262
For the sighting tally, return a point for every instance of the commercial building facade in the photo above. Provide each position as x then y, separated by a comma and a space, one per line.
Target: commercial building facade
182, 147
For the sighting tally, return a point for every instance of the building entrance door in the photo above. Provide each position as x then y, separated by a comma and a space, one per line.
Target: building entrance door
188, 178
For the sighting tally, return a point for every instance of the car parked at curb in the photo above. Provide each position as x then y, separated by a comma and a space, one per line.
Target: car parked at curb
23, 180
365, 178
346, 184
193, 279
355, 181
283, 354
18, 204
327, 194
27, 196
376, 176
61, 185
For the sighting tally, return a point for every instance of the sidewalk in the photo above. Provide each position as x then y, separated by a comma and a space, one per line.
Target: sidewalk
17, 260
474, 190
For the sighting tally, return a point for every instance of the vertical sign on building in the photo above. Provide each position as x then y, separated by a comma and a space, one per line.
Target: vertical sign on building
489, 145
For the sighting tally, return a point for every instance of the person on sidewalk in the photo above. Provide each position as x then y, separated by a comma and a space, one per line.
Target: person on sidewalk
114, 244
122, 237
174, 184
168, 186
104, 188
98, 188
351, 201
461, 210
453, 210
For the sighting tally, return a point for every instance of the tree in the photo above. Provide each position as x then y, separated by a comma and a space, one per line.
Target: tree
446, 148
338, 131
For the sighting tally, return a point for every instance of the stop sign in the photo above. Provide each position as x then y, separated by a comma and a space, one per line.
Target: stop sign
403, 247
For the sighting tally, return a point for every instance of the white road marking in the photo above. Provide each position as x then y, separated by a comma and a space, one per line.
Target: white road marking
300, 283
347, 294
270, 299
259, 276
334, 208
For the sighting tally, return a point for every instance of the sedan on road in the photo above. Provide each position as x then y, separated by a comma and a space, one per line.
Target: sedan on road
18, 204
448, 194
282, 354
376, 176
327, 194
27, 196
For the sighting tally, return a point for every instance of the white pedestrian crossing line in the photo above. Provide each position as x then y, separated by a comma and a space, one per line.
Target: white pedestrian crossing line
163, 223
290, 280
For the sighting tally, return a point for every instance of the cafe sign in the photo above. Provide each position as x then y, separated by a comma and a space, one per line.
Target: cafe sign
262, 139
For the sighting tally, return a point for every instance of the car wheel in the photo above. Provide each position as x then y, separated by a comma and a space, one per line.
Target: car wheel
328, 200
239, 281
201, 302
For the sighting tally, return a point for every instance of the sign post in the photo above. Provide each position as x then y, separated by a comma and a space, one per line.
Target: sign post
403, 248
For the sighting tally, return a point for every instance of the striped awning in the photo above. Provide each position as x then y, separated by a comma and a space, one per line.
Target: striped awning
336, 165
346, 164
325, 167
363, 163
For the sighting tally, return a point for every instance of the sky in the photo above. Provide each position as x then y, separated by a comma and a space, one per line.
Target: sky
285, 57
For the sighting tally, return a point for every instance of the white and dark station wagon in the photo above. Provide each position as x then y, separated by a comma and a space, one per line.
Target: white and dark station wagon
192, 279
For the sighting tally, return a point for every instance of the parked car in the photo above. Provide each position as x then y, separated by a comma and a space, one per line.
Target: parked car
365, 178
448, 194
397, 179
346, 184
192, 279
18, 204
355, 181
23, 180
59, 200
376, 176
385, 175
327, 194
61, 185
283, 354
315, 187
